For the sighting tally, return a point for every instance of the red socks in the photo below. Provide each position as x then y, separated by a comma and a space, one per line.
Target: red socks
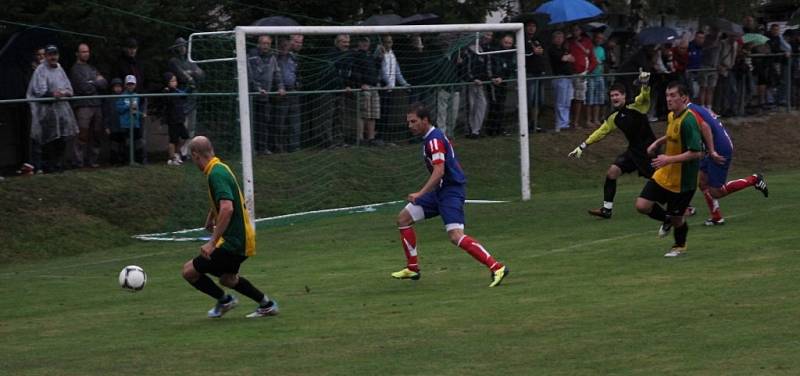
713, 205
409, 239
739, 184
479, 253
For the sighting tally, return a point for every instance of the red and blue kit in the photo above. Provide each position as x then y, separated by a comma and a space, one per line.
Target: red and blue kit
717, 173
448, 199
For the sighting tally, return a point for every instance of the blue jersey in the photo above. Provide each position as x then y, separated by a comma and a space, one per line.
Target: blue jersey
722, 142
437, 150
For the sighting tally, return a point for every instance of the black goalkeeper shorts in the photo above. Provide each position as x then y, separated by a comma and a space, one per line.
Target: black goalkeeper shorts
628, 163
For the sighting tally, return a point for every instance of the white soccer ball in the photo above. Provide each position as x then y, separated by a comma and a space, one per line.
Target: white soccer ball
132, 278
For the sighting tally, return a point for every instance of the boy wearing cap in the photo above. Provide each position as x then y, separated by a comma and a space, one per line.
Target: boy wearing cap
130, 115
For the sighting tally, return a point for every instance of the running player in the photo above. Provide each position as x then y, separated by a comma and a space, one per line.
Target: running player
233, 238
714, 167
675, 179
631, 119
442, 194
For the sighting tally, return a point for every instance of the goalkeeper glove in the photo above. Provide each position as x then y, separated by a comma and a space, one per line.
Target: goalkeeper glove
644, 77
578, 151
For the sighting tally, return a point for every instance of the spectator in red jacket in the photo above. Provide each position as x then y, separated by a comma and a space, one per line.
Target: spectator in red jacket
582, 49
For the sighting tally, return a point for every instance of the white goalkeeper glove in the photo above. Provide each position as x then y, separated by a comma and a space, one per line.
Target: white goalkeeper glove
644, 77
578, 151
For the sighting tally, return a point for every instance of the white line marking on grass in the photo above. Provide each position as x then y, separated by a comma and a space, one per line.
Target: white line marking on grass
165, 236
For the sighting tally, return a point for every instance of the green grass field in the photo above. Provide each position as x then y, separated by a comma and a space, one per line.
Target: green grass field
585, 296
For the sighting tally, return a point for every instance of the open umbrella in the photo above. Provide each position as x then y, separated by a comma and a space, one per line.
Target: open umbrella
657, 35
382, 20
723, 25
276, 21
421, 19
755, 38
561, 11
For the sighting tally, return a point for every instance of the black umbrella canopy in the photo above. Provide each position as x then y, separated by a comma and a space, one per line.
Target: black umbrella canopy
421, 19
541, 19
276, 21
723, 25
657, 35
382, 20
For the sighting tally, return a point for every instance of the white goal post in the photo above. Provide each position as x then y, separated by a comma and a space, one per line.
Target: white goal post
241, 33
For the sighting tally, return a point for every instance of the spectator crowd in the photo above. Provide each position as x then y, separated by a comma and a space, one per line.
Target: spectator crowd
364, 87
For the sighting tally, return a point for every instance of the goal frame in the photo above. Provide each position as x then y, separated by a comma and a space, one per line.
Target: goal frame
241, 33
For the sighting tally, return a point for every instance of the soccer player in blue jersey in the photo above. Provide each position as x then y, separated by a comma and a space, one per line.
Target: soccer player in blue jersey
442, 194
714, 167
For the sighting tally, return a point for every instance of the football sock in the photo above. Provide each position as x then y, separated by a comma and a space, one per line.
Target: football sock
409, 239
208, 287
479, 253
658, 213
247, 289
713, 205
739, 184
680, 234
609, 191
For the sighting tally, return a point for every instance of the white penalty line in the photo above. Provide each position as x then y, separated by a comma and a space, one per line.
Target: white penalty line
166, 236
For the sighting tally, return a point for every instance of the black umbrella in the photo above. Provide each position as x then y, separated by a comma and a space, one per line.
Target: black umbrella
276, 21
541, 19
723, 25
382, 20
421, 19
657, 35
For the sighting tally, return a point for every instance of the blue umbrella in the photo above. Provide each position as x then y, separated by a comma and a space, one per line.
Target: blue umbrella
561, 11
657, 35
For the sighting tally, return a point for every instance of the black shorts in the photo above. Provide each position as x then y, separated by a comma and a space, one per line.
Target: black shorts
176, 132
628, 162
221, 262
676, 202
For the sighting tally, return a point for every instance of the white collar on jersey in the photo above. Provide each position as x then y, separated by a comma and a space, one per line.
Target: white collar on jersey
428, 132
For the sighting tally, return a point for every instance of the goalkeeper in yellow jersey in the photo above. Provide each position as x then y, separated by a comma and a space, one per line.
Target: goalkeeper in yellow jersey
631, 119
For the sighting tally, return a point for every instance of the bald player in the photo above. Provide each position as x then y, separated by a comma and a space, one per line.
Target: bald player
232, 241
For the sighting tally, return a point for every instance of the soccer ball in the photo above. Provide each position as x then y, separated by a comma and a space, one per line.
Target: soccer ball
132, 278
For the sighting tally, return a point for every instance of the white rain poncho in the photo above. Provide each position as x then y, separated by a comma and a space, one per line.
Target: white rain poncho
50, 120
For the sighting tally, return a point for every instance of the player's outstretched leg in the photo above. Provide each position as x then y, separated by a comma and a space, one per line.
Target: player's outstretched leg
498, 271
755, 180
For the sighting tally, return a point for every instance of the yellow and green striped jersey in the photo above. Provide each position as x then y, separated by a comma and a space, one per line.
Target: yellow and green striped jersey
240, 236
683, 133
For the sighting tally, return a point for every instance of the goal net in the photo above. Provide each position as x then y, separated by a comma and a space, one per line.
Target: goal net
327, 128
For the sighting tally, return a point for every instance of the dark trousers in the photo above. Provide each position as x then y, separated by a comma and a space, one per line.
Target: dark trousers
260, 125
287, 120
53, 155
497, 108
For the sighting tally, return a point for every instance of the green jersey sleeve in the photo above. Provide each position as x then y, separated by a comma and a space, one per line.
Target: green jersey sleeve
690, 134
